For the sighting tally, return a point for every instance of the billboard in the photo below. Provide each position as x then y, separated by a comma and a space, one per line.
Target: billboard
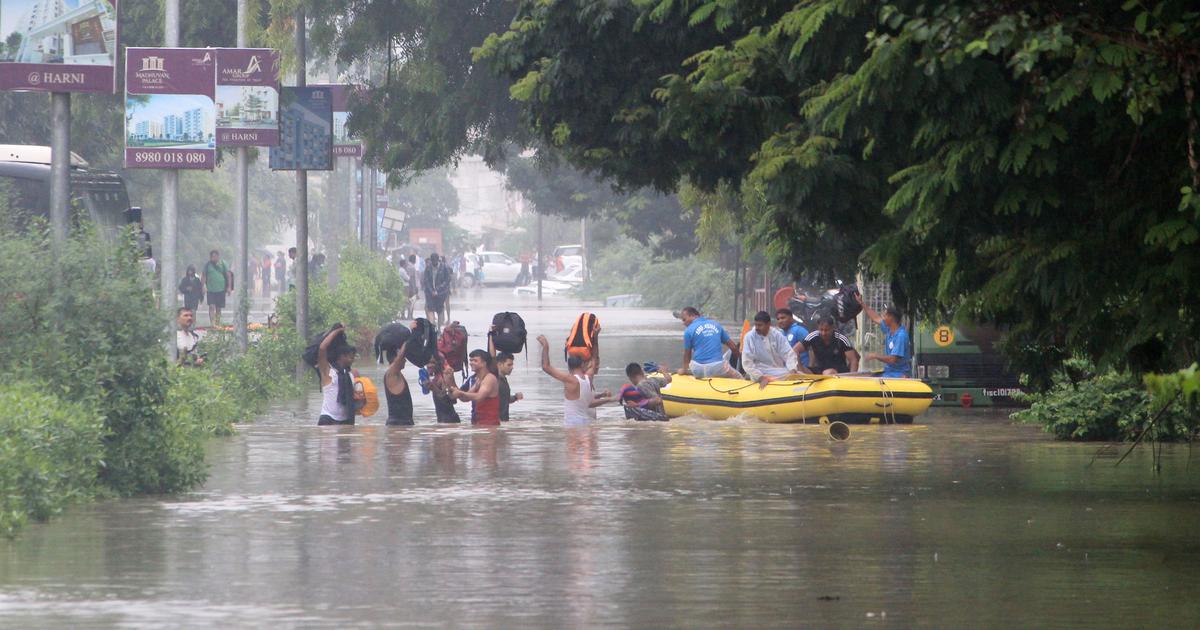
58, 45
305, 130
247, 97
344, 145
170, 113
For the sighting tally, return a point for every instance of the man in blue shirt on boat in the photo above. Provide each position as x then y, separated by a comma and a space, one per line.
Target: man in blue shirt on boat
703, 347
793, 331
897, 360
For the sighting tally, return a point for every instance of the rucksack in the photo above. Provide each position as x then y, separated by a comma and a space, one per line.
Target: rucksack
390, 338
582, 338
314, 346
845, 303
453, 345
423, 342
508, 333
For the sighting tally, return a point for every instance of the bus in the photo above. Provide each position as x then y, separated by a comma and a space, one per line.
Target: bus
97, 195
963, 367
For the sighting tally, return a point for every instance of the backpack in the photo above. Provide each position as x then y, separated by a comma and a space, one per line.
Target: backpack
508, 332
390, 338
314, 347
845, 306
423, 342
453, 345
582, 338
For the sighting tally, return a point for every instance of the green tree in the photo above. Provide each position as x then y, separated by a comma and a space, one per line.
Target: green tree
1031, 164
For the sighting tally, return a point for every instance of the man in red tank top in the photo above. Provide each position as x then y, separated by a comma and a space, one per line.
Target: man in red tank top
485, 393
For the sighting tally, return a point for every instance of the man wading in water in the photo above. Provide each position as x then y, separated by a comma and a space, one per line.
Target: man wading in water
337, 383
485, 394
579, 399
395, 387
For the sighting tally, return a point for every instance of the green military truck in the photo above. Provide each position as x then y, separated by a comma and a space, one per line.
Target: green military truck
963, 367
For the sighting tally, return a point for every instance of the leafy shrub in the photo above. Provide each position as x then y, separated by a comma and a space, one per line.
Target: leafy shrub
369, 294
49, 453
95, 336
1085, 405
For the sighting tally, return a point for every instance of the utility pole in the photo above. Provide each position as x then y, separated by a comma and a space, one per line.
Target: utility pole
301, 196
60, 164
170, 201
241, 227
541, 260
583, 259
333, 230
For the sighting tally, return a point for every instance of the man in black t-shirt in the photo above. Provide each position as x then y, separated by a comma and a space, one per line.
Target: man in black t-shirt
830, 352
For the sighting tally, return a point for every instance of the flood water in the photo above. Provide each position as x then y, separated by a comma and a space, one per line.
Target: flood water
962, 519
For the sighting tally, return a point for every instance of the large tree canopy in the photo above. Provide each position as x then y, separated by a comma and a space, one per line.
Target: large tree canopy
1018, 163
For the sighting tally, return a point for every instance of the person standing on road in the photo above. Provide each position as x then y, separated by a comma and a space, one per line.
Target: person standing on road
291, 268
485, 392
436, 280
192, 289
266, 275
186, 339
280, 272
409, 276
579, 398
702, 347
218, 282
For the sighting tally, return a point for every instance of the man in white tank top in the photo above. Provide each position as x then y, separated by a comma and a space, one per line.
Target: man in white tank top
579, 397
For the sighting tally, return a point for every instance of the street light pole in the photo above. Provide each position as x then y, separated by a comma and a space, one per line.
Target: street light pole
301, 194
242, 223
60, 164
170, 200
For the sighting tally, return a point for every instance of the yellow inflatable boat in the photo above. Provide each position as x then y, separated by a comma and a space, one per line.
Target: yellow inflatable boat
800, 398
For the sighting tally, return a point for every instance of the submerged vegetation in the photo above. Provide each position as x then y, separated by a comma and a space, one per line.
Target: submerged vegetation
92, 404
1086, 403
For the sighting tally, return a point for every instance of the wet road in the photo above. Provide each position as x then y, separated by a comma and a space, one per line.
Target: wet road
960, 520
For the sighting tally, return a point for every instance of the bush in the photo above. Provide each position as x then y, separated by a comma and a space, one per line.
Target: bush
1085, 405
49, 453
369, 294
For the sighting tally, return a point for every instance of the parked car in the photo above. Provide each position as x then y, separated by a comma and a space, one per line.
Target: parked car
498, 268
573, 274
566, 256
549, 287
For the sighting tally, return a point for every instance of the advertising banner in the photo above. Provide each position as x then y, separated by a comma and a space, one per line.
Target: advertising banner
170, 113
305, 130
344, 145
247, 97
58, 45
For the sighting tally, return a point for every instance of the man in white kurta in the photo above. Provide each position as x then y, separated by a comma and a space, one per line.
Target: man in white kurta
766, 353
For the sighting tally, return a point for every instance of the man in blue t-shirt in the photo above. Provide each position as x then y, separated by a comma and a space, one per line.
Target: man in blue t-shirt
794, 332
897, 360
703, 347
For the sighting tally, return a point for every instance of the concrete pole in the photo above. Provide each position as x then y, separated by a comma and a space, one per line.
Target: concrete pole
170, 201
60, 164
541, 259
241, 226
333, 229
301, 197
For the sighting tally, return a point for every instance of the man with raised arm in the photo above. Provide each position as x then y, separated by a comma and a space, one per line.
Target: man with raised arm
579, 398
897, 361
